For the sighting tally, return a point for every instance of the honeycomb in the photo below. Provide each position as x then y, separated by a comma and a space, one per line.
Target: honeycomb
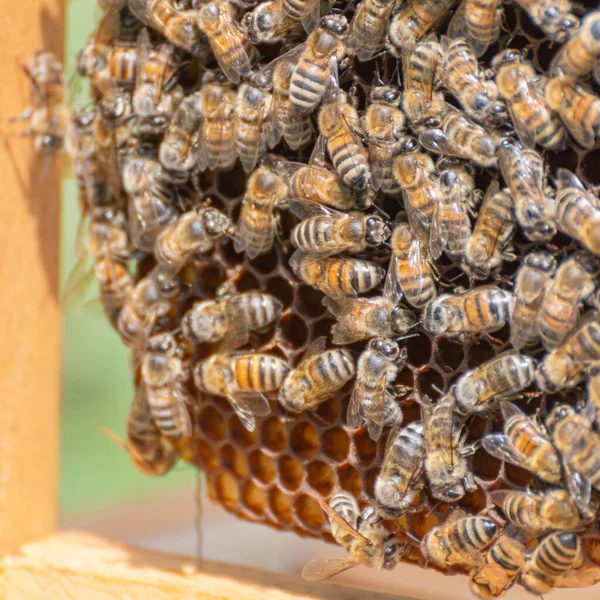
274, 474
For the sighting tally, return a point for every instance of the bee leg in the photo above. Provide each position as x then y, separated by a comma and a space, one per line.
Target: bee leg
24, 116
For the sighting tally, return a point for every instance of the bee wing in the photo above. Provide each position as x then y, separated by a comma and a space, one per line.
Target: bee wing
415, 258
527, 138
142, 53
565, 178
380, 158
391, 287
264, 235
318, 155
457, 28
376, 411
335, 517
109, 26
79, 282
253, 403
578, 486
222, 45
500, 446
316, 347
390, 443
354, 418
310, 20
305, 209
270, 131
237, 334
318, 569
583, 135
140, 9
181, 416
435, 140
245, 416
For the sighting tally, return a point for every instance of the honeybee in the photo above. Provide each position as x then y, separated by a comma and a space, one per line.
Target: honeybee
578, 109
337, 276
463, 77
499, 379
532, 281
553, 510
366, 543
502, 565
579, 445
150, 199
306, 11
156, 94
175, 151
345, 149
208, 321
241, 377
420, 68
319, 374
255, 229
573, 283
369, 26
377, 368
458, 137
228, 43
412, 22
554, 18
553, 558
579, 55
459, 540
195, 231
254, 122
482, 309
383, 124
534, 122
325, 231
577, 211
317, 62
48, 116
523, 171
478, 22
162, 376
409, 270
215, 144
269, 23
564, 366
401, 475
297, 130
446, 464
177, 26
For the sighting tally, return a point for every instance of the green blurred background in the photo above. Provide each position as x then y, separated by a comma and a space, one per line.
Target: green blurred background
97, 388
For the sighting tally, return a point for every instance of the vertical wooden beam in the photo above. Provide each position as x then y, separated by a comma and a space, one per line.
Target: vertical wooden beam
30, 347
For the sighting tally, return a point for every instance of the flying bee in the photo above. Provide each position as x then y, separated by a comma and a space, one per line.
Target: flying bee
339, 124
420, 68
337, 276
459, 540
325, 231
175, 152
317, 63
464, 78
254, 123
579, 445
368, 27
532, 281
573, 283
554, 18
228, 43
179, 27
523, 171
377, 368
366, 543
150, 199
269, 23
457, 199
162, 376
242, 377
478, 22
412, 22
579, 55
553, 510
319, 374
446, 465
256, 225
578, 109
401, 475
383, 124
502, 565
215, 145
409, 268
48, 116
497, 380
564, 367
483, 309
306, 11
518, 84
208, 321
577, 211
458, 137
194, 232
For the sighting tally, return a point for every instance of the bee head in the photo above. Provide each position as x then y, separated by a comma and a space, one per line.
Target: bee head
377, 231
436, 318
336, 24
388, 348
544, 261
559, 413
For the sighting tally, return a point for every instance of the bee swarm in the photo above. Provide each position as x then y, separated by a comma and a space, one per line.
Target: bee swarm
279, 468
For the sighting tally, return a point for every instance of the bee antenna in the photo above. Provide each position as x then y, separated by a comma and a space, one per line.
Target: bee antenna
380, 211
437, 389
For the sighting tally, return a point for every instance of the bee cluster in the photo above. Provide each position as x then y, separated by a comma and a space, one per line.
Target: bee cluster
381, 326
